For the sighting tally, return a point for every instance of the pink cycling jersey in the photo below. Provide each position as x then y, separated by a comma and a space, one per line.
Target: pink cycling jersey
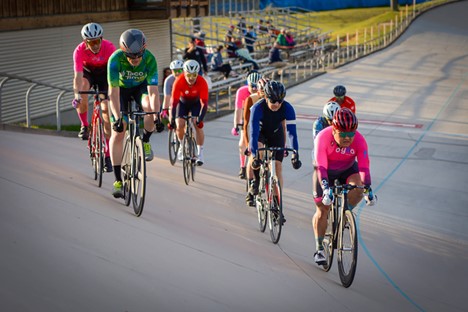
85, 58
329, 156
241, 94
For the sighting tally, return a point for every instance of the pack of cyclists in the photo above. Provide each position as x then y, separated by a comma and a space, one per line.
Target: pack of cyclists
262, 117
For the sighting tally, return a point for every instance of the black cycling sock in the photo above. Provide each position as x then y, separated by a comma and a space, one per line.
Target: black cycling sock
256, 174
146, 135
118, 173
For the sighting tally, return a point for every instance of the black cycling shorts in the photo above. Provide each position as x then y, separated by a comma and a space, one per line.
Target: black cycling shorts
342, 176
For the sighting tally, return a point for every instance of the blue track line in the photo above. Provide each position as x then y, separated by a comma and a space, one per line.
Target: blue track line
361, 241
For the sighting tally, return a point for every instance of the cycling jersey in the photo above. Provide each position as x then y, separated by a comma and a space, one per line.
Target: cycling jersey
241, 94
184, 93
329, 156
265, 121
168, 83
122, 74
348, 103
85, 59
320, 124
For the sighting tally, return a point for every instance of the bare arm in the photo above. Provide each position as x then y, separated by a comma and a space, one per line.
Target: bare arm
77, 84
114, 97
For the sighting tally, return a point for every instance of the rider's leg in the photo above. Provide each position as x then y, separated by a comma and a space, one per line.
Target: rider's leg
319, 223
106, 123
82, 108
116, 150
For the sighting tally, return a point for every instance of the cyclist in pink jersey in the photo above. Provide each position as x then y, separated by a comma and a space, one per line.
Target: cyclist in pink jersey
241, 95
340, 153
90, 66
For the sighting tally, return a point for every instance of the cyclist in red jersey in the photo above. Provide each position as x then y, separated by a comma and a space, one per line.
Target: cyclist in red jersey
341, 98
340, 153
190, 96
90, 66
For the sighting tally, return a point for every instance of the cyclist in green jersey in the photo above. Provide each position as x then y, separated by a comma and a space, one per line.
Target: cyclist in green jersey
132, 74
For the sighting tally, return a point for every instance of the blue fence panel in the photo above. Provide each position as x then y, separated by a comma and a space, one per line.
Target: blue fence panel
321, 5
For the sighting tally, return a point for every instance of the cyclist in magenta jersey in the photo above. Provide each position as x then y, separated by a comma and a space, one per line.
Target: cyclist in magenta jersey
272, 119
132, 74
340, 153
190, 97
90, 67
241, 95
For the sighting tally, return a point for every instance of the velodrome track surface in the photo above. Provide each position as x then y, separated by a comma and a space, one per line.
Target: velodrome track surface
67, 245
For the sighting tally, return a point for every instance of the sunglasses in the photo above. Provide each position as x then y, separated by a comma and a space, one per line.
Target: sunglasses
191, 75
275, 102
347, 134
178, 71
134, 56
93, 41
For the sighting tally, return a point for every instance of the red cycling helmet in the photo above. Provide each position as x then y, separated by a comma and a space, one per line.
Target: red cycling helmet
345, 120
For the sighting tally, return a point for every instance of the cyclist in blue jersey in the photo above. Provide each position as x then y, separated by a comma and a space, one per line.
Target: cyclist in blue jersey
272, 119
325, 120
132, 74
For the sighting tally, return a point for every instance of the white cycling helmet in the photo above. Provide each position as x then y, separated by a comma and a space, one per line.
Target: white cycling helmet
191, 66
253, 78
330, 109
177, 64
91, 31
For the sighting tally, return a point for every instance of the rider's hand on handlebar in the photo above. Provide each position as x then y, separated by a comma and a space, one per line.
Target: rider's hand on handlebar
235, 131
256, 163
76, 102
296, 163
247, 152
370, 197
327, 196
118, 125
159, 125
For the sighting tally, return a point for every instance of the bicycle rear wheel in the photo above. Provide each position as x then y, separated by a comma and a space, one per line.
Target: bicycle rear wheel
126, 166
193, 150
347, 249
260, 204
328, 240
275, 213
99, 151
138, 177
173, 146
187, 162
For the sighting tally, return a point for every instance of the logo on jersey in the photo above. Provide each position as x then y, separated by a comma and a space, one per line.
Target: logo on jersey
129, 75
345, 150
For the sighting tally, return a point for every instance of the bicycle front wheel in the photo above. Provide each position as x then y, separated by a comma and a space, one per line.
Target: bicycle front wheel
275, 213
193, 150
187, 162
126, 168
260, 204
328, 240
138, 177
173, 146
99, 151
347, 249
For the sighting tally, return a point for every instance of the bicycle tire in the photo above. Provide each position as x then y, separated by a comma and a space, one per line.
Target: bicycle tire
138, 177
260, 204
275, 211
193, 150
347, 249
187, 162
126, 168
329, 240
174, 146
92, 155
99, 151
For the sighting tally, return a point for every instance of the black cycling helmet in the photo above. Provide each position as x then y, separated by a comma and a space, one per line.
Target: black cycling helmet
133, 43
339, 91
275, 91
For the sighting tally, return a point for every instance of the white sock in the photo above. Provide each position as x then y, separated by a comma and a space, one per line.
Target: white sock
200, 149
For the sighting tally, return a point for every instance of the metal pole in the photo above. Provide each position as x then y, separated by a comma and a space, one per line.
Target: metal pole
28, 117
57, 111
1, 86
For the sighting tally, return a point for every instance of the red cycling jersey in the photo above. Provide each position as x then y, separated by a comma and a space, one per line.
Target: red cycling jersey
348, 103
181, 90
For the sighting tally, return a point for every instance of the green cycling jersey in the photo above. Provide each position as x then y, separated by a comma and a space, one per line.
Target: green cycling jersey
120, 73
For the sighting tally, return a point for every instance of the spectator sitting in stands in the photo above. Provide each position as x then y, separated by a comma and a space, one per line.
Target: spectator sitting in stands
200, 40
166, 73
274, 57
250, 38
232, 47
229, 35
261, 29
245, 57
272, 30
242, 26
285, 40
217, 63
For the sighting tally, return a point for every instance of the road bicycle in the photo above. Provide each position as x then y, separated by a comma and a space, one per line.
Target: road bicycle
174, 146
189, 149
269, 200
133, 164
97, 144
341, 234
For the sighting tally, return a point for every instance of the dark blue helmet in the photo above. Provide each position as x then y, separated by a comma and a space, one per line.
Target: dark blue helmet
275, 91
339, 90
